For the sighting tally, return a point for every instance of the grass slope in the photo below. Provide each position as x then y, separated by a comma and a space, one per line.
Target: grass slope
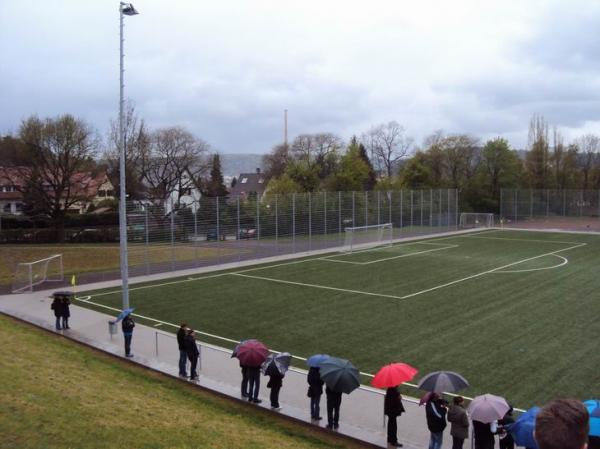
528, 335
57, 394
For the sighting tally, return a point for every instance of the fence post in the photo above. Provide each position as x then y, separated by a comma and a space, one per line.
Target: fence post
456, 213
237, 235
439, 222
258, 216
276, 224
324, 213
389, 196
172, 235
547, 202
401, 211
516, 205
218, 231
421, 207
564, 203
411, 209
378, 207
309, 222
430, 207
340, 216
530, 203
353, 209
293, 222
146, 240
196, 208
581, 203
366, 208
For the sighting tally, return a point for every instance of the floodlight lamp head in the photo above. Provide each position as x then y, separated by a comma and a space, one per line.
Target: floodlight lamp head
128, 9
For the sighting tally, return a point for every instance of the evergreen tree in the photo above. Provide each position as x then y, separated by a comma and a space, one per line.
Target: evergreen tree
371, 180
216, 186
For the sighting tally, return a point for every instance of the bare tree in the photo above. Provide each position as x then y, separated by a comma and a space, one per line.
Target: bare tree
461, 158
315, 148
276, 161
175, 163
61, 174
538, 155
388, 144
589, 159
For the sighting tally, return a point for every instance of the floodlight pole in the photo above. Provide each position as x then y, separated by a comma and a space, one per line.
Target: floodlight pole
124, 8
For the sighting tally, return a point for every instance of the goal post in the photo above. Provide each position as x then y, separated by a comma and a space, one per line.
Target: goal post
367, 236
29, 274
472, 220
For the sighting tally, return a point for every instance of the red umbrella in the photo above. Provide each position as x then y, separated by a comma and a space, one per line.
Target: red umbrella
393, 375
252, 353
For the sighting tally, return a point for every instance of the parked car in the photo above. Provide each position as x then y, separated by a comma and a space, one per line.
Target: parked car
211, 234
246, 233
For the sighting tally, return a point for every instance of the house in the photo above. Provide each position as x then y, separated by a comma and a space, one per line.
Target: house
249, 183
92, 189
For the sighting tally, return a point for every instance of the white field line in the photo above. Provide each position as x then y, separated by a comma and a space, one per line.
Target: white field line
515, 240
390, 258
564, 262
437, 287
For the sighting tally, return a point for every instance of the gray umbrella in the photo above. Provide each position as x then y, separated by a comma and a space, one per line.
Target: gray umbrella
340, 375
280, 361
443, 381
487, 408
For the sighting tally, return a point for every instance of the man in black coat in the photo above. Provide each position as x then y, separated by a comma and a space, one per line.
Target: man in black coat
436, 420
182, 351
253, 373
127, 326
315, 390
275, 383
392, 407
192, 352
65, 311
57, 308
334, 401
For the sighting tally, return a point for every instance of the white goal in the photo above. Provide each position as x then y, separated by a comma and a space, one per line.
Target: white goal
368, 236
469, 220
30, 274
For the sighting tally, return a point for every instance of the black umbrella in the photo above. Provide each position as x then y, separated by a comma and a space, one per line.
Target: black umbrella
443, 381
340, 375
280, 362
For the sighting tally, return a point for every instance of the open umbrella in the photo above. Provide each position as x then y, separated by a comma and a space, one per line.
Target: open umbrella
340, 375
487, 408
393, 374
252, 353
236, 349
593, 407
426, 397
443, 381
314, 361
123, 314
522, 429
280, 362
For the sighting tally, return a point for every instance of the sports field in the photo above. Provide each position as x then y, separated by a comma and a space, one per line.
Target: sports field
515, 312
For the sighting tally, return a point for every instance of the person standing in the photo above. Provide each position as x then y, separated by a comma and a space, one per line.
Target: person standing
392, 408
506, 439
192, 352
435, 410
275, 383
483, 434
457, 416
253, 373
244, 380
334, 401
57, 308
315, 390
127, 326
65, 311
182, 351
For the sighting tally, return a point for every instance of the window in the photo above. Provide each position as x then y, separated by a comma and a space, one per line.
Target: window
7, 208
244, 180
19, 207
261, 180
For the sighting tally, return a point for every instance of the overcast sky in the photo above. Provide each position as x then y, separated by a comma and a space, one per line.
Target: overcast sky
226, 70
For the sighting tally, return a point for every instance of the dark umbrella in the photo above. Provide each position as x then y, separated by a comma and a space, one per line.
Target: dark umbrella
522, 429
340, 375
443, 381
593, 407
426, 397
252, 353
314, 361
236, 349
280, 362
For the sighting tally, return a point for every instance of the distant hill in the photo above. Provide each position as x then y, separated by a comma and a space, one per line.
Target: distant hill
234, 164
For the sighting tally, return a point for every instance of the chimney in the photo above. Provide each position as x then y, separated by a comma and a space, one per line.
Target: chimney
258, 170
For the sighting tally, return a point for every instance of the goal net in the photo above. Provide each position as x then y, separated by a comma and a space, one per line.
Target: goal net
367, 236
30, 274
470, 220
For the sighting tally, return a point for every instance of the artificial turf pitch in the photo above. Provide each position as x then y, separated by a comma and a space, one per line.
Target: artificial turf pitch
515, 312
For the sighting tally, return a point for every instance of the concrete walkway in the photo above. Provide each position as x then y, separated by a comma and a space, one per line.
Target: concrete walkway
361, 412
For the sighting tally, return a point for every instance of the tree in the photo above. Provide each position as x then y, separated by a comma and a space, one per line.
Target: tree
61, 151
137, 148
315, 148
13, 152
564, 162
233, 182
415, 173
174, 164
304, 174
387, 144
276, 161
216, 186
283, 185
538, 158
371, 180
460, 152
352, 173
589, 158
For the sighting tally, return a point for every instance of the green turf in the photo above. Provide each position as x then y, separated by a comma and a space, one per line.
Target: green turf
527, 335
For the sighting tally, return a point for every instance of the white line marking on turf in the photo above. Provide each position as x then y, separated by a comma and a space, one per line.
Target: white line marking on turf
564, 262
331, 259
516, 240
158, 324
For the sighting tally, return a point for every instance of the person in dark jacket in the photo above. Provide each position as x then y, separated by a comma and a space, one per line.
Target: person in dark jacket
392, 408
334, 401
483, 435
253, 373
57, 308
459, 429
65, 311
315, 390
191, 350
244, 380
506, 439
275, 383
182, 351
127, 326
435, 410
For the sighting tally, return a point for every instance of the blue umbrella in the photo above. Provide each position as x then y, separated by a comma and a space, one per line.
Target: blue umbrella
123, 314
593, 407
314, 361
522, 429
